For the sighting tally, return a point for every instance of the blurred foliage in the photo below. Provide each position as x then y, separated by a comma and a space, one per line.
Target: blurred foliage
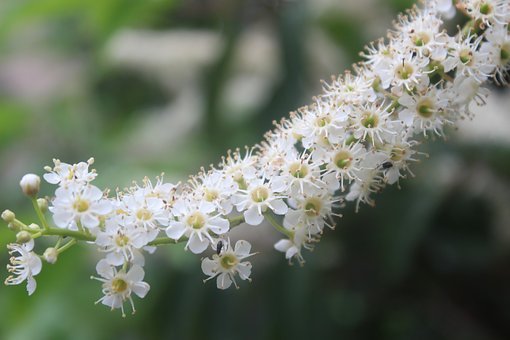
431, 261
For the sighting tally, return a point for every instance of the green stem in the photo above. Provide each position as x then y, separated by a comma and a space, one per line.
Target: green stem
165, 240
66, 246
39, 213
235, 221
69, 233
277, 225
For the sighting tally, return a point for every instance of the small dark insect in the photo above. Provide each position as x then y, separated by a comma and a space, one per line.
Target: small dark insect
219, 246
386, 165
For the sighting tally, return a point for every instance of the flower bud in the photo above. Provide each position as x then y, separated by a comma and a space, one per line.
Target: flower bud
30, 184
51, 255
34, 226
23, 237
8, 216
13, 227
43, 204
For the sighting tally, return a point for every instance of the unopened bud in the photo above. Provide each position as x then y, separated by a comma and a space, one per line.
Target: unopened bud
34, 226
23, 237
13, 227
30, 184
8, 216
50, 255
43, 204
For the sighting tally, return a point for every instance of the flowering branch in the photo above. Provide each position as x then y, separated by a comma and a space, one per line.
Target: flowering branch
357, 137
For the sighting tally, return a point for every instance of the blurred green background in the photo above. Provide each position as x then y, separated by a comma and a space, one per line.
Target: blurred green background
159, 85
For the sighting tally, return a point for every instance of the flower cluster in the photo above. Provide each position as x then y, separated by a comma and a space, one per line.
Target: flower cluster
360, 135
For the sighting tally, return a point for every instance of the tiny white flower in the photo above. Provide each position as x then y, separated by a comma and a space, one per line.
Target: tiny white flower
258, 197
198, 221
63, 173
24, 265
118, 286
123, 243
229, 263
79, 204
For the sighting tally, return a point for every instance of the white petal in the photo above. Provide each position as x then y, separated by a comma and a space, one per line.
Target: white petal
244, 270
104, 269
62, 219
141, 289
219, 225
223, 281
252, 216
283, 245
135, 273
31, 285
407, 116
175, 230
52, 178
196, 245
93, 193
89, 221
115, 258
35, 263
291, 252
279, 207
102, 207
242, 248
209, 267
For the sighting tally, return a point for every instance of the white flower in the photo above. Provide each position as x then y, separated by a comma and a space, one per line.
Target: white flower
488, 11
123, 243
299, 174
119, 285
79, 204
25, 265
257, 198
468, 59
228, 263
321, 122
144, 210
198, 222
217, 188
373, 120
344, 161
425, 112
313, 209
63, 173
292, 246
30, 184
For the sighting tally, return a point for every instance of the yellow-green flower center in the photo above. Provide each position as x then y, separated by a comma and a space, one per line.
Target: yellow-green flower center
322, 121
343, 159
425, 107
370, 120
122, 240
313, 207
404, 71
260, 194
421, 39
485, 8
298, 170
228, 261
196, 220
143, 214
466, 56
397, 154
211, 195
505, 53
119, 285
81, 205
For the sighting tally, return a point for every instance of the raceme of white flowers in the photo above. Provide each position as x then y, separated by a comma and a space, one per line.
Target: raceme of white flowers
358, 136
